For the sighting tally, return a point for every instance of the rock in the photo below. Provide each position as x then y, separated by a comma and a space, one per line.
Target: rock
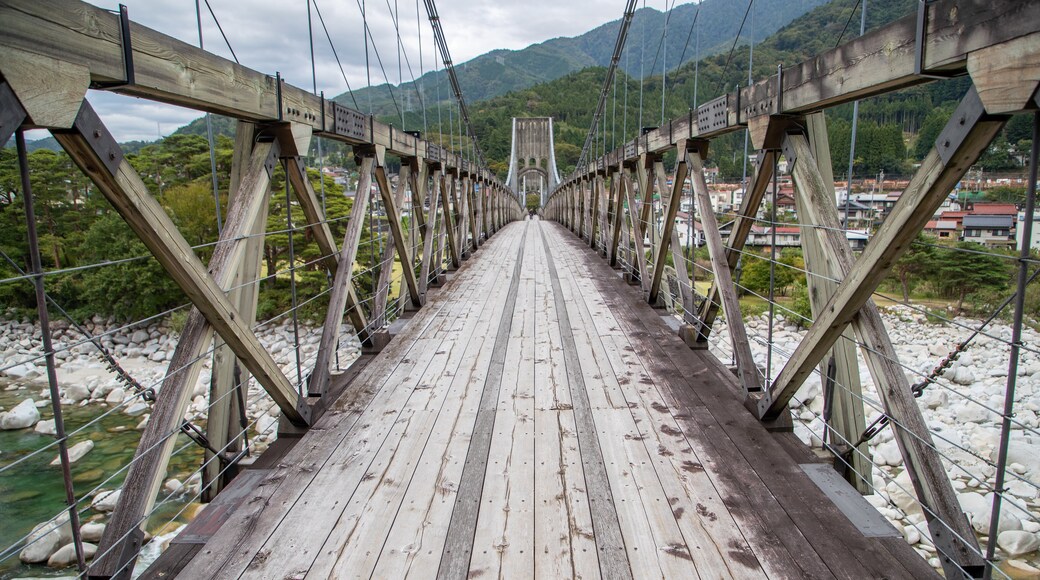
1017, 542
106, 501
889, 454
173, 486
45, 539
115, 396
1023, 569
1027, 455
23, 415
139, 336
91, 532
21, 371
136, 409
46, 427
912, 535
66, 556
76, 452
963, 376
75, 393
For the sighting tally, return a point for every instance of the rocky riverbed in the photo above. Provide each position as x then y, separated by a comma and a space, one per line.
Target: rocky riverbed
962, 410
104, 416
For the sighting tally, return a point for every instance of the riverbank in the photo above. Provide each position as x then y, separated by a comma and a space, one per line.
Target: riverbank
104, 416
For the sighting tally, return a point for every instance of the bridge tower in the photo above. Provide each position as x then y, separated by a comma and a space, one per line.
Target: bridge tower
532, 158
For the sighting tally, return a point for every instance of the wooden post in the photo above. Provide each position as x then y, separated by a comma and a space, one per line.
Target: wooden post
636, 230
129, 195
449, 207
737, 238
420, 175
318, 228
320, 375
668, 227
616, 186
960, 144
946, 520
839, 370
747, 370
386, 267
670, 238
430, 240
222, 423
391, 204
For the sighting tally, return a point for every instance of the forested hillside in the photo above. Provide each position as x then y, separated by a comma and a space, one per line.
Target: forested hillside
501, 71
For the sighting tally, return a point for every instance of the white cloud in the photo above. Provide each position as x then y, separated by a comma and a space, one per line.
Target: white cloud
271, 35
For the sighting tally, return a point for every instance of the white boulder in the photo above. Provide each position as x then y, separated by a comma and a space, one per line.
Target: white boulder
1017, 542
45, 539
66, 555
23, 415
106, 501
76, 452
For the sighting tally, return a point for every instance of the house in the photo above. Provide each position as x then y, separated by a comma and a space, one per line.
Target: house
995, 231
786, 236
1035, 242
994, 208
859, 214
943, 229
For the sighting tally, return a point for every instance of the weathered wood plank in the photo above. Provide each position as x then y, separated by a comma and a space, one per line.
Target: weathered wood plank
747, 370
922, 460
148, 469
972, 131
319, 380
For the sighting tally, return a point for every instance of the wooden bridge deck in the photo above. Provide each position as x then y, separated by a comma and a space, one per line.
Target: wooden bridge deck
538, 419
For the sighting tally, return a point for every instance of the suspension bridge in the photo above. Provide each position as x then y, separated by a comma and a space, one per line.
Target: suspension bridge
537, 398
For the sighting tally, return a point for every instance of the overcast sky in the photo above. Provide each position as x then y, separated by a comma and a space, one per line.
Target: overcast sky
271, 35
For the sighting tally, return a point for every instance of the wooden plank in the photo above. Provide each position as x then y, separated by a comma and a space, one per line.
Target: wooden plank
416, 538
563, 535
238, 542
747, 370
358, 539
707, 528
604, 507
505, 546
738, 235
319, 380
458, 545
842, 389
791, 533
970, 132
148, 468
318, 228
924, 464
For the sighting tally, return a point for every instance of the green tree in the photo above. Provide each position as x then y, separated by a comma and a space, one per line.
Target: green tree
918, 262
970, 268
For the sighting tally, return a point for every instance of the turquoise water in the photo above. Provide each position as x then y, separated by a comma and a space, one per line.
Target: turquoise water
33, 491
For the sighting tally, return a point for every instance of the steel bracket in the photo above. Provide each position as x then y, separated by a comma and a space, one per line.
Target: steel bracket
968, 113
12, 114
128, 53
97, 136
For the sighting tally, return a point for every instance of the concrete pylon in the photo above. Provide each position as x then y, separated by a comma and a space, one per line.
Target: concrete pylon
532, 157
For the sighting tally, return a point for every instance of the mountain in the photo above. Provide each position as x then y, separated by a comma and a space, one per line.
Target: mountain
501, 71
